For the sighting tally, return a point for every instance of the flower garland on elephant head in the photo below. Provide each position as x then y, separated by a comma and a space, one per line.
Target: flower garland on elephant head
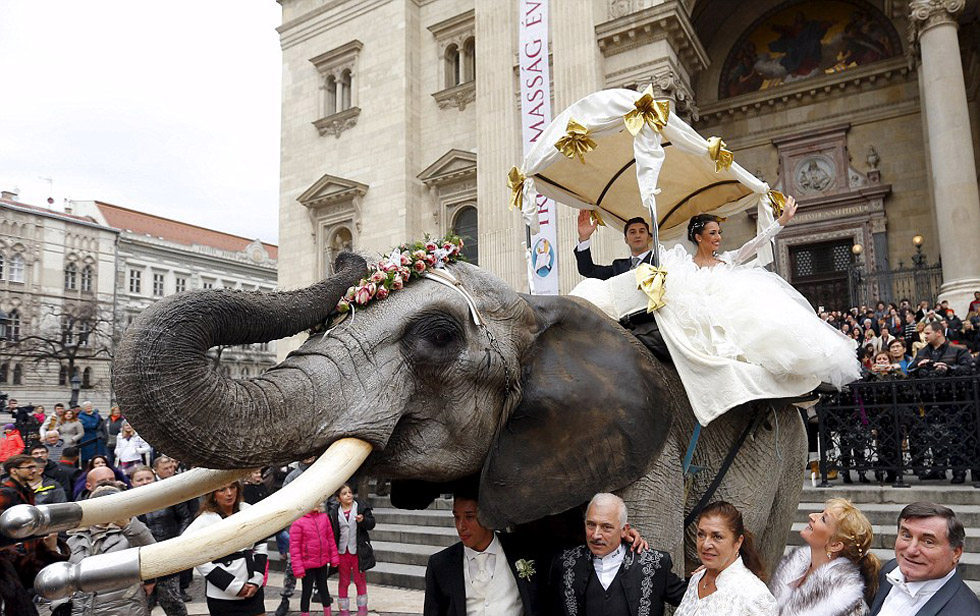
392, 273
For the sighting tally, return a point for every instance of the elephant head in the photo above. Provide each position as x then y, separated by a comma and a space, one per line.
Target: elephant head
549, 401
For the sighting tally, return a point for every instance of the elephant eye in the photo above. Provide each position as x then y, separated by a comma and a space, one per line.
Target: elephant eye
432, 335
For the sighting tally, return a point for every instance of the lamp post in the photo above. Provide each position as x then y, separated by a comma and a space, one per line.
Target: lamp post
76, 385
918, 259
854, 273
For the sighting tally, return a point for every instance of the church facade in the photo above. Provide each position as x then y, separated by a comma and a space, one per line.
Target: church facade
400, 118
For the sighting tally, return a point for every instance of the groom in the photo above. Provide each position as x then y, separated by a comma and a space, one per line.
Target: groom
637, 236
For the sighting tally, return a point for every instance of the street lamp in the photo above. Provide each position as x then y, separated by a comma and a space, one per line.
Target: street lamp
857, 249
918, 259
76, 385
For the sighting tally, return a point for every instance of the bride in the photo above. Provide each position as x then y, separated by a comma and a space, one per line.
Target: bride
737, 332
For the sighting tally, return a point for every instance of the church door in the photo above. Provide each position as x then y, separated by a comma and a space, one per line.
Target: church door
819, 273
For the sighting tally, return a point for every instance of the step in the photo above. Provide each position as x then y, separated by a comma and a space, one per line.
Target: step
884, 537
885, 514
395, 574
403, 553
424, 535
384, 502
932, 491
425, 517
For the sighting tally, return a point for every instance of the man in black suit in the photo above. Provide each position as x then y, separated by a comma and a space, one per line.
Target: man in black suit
605, 577
637, 236
922, 580
479, 576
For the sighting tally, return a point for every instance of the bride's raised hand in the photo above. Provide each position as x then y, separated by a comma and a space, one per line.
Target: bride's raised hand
789, 210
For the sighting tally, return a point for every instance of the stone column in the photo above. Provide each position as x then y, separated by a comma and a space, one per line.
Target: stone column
954, 180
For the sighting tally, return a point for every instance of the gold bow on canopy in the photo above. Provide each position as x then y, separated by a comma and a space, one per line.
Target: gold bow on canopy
515, 181
576, 141
716, 151
648, 111
778, 202
651, 280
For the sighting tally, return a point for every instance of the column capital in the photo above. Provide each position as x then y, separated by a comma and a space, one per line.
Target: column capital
667, 84
924, 14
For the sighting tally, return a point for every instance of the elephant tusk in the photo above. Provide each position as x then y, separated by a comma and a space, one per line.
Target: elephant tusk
23, 521
126, 567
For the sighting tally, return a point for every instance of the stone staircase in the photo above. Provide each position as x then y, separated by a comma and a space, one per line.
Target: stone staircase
404, 540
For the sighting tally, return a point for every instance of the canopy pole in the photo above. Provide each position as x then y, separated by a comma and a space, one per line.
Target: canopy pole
655, 233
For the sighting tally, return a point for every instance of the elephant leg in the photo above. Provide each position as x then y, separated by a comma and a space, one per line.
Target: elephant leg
793, 450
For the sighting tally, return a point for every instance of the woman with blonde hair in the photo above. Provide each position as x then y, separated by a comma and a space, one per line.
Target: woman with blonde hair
835, 573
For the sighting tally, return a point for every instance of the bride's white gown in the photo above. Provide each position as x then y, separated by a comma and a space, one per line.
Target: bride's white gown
737, 332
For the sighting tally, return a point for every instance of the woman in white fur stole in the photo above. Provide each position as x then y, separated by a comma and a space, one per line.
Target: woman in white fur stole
834, 574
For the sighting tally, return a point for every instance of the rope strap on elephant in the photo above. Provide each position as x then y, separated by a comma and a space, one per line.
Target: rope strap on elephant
750, 427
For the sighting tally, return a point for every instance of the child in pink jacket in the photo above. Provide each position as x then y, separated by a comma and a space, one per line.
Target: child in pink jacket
312, 548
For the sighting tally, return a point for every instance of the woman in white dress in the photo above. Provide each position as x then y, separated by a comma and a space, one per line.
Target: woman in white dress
730, 583
741, 332
835, 573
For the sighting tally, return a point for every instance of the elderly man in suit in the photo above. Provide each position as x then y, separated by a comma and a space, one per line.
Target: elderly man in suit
603, 577
922, 579
637, 236
479, 576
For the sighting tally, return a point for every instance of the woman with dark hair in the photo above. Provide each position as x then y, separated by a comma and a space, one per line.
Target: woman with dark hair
233, 584
732, 581
835, 573
740, 332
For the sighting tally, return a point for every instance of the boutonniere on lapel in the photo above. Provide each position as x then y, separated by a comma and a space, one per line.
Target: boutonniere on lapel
525, 569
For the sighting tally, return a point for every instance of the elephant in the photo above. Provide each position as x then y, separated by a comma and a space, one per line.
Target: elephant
546, 403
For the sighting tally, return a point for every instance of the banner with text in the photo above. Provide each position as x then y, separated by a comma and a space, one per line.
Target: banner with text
542, 251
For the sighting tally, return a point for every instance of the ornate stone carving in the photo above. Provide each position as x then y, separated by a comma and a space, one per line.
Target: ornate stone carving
814, 174
620, 8
458, 96
924, 14
668, 84
338, 122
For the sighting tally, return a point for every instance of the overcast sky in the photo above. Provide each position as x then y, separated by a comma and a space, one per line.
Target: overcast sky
168, 107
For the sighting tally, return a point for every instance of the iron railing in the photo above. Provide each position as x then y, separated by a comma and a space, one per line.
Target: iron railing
899, 427
916, 283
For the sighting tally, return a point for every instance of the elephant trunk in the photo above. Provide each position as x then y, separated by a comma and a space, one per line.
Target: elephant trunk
177, 398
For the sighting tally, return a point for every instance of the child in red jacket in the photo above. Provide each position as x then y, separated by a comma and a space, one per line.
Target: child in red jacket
312, 548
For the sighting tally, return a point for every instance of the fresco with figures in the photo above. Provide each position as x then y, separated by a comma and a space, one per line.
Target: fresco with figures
804, 40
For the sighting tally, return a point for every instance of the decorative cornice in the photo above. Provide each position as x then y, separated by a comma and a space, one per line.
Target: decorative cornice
457, 96
815, 89
329, 190
452, 166
337, 123
339, 55
665, 21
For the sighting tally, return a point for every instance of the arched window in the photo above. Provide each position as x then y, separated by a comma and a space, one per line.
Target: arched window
331, 95
13, 326
18, 375
16, 268
87, 378
453, 66
4, 370
245, 374
87, 278
469, 60
340, 241
1, 266
67, 329
345, 86
71, 277
63, 375
465, 226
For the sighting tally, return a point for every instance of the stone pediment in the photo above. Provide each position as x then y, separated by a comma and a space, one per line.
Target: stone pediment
452, 166
331, 189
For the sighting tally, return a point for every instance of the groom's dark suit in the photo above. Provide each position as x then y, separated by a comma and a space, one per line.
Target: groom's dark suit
954, 598
445, 586
604, 272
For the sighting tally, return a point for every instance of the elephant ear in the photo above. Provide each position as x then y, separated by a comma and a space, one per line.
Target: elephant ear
594, 414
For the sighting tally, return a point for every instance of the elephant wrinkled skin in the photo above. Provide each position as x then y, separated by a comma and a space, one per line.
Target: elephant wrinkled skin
565, 403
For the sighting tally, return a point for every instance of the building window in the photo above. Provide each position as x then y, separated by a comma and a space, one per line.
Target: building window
341, 241
13, 326
180, 285
135, 281
84, 333
16, 268
337, 109
454, 66
87, 274
207, 285
4, 370
157, 285
469, 60
71, 277
245, 374
87, 378
456, 45
18, 375
465, 226
63, 375
1, 266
